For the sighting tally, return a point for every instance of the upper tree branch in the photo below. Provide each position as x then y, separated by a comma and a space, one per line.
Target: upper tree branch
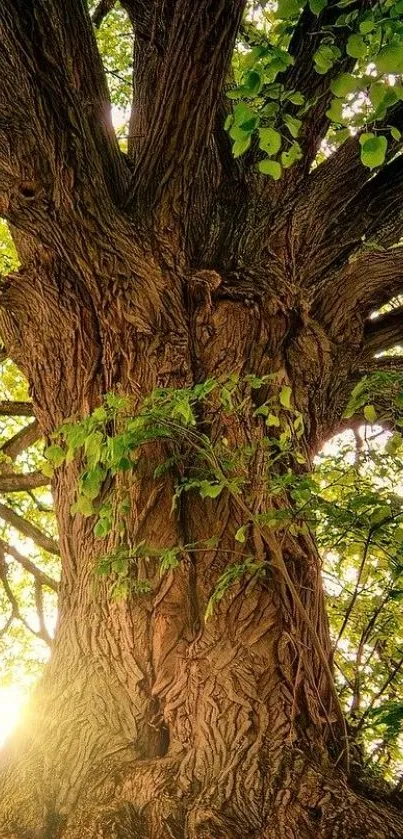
41, 613
383, 364
375, 213
302, 75
367, 282
342, 201
56, 135
101, 11
196, 60
384, 332
29, 530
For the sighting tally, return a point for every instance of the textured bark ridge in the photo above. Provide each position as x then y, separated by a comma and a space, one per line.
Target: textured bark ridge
163, 270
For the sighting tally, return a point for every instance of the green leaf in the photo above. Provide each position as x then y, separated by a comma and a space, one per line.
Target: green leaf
56, 455
356, 46
367, 26
241, 146
168, 560
344, 84
299, 425
288, 9
294, 153
270, 167
335, 111
373, 149
252, 83
241, 534
102, 528
91, 482
93, 447
390, 59
244, 115
47, 469
317, 6
210, 490
380, 514
269, 140
285, 397
293, 124
296, 98
370, 414
325, 57
394, 443
183, 409
83, 505
377, 93
396, 134
273, 420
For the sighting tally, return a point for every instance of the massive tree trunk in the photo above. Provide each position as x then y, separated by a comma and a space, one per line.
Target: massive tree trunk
150, 721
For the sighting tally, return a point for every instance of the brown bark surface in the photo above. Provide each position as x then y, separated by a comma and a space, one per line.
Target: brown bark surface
149, 721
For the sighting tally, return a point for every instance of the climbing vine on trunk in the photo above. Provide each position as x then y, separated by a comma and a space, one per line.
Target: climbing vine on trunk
192, 312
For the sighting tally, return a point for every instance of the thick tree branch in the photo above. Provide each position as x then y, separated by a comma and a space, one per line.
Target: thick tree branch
13, 482
384, 332
101, 11
196, 60
15, 409
384, 364
369, 281
29, 530
50, 138
151, 20
375, 214
40, 576
341, 202
21, 440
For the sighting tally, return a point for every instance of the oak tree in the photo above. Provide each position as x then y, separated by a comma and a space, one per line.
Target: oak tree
215, 281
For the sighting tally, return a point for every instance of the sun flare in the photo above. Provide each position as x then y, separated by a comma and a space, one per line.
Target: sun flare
12, 700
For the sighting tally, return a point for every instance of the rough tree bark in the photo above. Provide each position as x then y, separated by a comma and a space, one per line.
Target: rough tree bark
164, 269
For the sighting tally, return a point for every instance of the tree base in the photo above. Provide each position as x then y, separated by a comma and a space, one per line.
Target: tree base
151, 800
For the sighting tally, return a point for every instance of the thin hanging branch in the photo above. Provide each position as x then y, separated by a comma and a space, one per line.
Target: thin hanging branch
40, 576
15, 609
41, 614
391, 677
29, 530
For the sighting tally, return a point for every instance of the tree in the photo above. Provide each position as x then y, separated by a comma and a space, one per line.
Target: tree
226, 246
